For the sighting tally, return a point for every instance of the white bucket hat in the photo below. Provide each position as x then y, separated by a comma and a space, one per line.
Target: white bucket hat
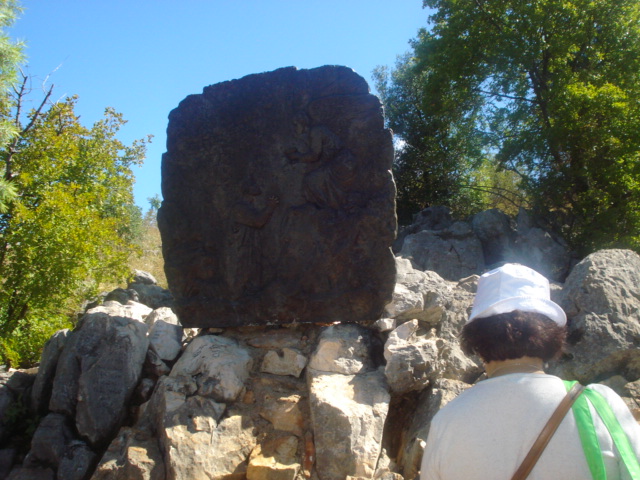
515, 287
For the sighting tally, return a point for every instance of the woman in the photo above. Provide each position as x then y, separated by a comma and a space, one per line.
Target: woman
487, 431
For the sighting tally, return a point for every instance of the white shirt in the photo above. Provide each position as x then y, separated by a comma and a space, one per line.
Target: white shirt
486, 432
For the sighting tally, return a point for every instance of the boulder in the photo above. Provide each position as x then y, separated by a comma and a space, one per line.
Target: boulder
348, 413
345, 349
279, 203
412, 360
132, 455
275, 459
99, 370
165, 333
41, 391
601, 299
219, 365
453, 253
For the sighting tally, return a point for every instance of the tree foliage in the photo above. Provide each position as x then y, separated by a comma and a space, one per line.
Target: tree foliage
69, 230
10, 57
547, 89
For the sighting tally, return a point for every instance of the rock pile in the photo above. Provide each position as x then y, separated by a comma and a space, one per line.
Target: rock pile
130, 394
456, 248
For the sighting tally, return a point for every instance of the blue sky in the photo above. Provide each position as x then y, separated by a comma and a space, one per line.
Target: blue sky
142, 57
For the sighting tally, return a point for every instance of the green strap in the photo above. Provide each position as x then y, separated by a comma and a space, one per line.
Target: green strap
615, 430
589, 439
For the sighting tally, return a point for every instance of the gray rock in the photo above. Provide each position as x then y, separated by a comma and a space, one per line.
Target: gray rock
50, 441
122, 296
78, 461
539, 250
453, 253
602, 301
99, 369
278, 201
412, 360
132, 455
7, 457
286, 362
195, 441
145, 278
415, 437
219, 364
417, 294
25, 473
346, 349
348, 413
495, 232
165, 333
153, 296
41, 391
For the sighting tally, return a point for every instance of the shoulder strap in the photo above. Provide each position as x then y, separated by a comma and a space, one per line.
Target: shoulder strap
547, 432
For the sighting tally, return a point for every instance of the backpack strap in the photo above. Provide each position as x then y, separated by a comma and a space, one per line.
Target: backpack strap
547, 432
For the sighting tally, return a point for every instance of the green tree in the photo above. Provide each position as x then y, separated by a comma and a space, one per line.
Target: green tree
10, 58
550, 89
70, 228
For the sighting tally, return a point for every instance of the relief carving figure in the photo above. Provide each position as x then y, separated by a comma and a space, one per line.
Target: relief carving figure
279, 204
244, 260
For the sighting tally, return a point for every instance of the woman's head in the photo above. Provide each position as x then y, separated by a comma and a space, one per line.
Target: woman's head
513, 335
513, 316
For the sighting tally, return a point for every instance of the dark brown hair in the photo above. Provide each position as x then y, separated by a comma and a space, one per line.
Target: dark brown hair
513, 335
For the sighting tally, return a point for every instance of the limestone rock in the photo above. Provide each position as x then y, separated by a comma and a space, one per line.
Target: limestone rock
287, 362
43, 384
415, 437
276, 460
79, 461
453, 253
145, 278
412, 360
420, 295
284, 413
220, 365
348, 413
153, 296
196, 442
165, 333
346, 349
131, 456
50, 441
279, 201
99, 369
601, 299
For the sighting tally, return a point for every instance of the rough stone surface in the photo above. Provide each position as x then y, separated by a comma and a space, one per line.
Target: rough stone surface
50, 440
131, 456
43, 384
165, 333
415, 437
275, 461
348, 414
287, 362
454, 252
278, 201
99, 369
602, 300
412, 360
346, 349
219, 364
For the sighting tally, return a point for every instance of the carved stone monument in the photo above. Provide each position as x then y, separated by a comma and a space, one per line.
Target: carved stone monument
279, 204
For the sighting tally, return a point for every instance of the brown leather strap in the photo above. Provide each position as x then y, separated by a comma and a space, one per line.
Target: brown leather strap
547, 432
